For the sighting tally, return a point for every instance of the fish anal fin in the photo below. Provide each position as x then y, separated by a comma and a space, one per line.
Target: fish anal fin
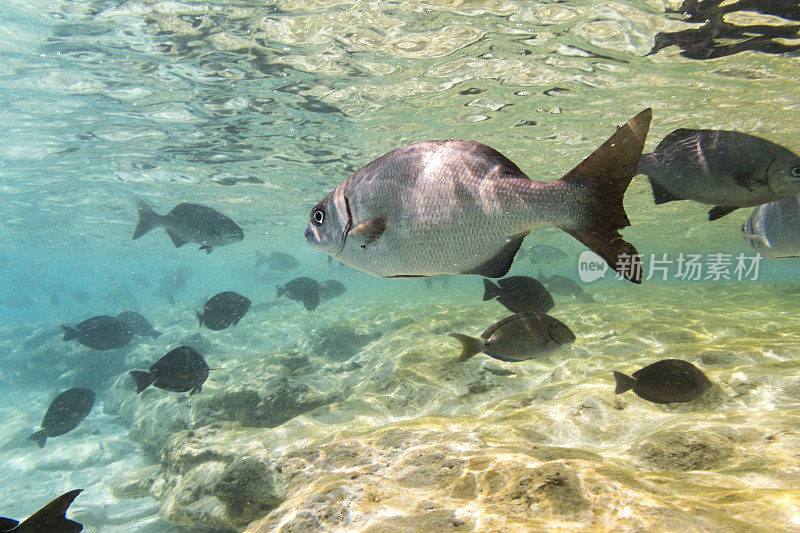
177, 240
499, 264
311, 301
624, 383
660, 194
51, 517
367, 232
719, 211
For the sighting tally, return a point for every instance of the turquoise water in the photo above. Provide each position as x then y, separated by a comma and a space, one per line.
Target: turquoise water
258, 110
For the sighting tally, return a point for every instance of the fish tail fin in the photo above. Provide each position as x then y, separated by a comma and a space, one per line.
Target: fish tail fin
70, 333
199, 318
605, 176
280, 291
148, 219
624, 383
490, 290
52, 517
469, 346
142, 379
39, 437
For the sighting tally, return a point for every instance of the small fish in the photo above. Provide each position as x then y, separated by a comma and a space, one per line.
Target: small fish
277, 261
49, 519
430, 279
331, 288
100, 332
55, 300
65, 412
302, 289
460, 207
181, 370
773, 229
517, 338
190, 223
223, 310
564, 285
541, 254
726, 169
519, 294
138, 324
80, 296
666, 381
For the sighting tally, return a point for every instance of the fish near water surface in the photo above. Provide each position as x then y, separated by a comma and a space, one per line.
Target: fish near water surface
100, 333
190, 223
223, 309
726, 169
519, 294
460, 207
49, 519
64, 414
665, 381
182, 369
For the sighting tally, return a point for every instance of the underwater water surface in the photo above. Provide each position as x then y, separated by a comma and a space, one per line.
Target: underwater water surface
356, 415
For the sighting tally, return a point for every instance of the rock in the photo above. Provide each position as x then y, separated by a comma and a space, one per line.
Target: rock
685, 450
135, 483
337, 341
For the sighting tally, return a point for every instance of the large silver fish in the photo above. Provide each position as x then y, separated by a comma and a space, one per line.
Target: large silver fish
726, 169
460, 207
773, 229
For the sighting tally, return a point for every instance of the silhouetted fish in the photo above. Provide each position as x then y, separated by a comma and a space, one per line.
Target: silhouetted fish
49, 519
190, 223
301, 289
666, 381
181, 370
460, 207
331, 288
138, 324
223, 310
65, 412
100, 333
517, 338
541, 254
564, 285
519, 294
277, 261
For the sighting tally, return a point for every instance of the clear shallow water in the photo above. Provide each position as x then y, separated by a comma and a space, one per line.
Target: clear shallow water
186, 101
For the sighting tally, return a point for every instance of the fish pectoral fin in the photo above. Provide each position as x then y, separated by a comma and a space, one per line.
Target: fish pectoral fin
660, 194
367, 232
499, 264
7, 524
176, 239
719, 211
747, 180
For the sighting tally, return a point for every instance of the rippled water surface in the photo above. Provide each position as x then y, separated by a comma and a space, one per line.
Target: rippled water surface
356, 417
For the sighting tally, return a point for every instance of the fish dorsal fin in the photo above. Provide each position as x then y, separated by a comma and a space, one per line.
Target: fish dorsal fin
51, 517
719, 211
176, 239
660, 194
499, 264
367, 232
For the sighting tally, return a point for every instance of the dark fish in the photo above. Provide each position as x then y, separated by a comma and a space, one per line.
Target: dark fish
460, 207
667, 381
331, 288
190, 223
564, 285
65, 412
54, 300
49, 519
517, 338
541, 254
773, 229
277, 261
223, 310
726, 169
138, 324
100, 333
519, 294
181, 370
303, 289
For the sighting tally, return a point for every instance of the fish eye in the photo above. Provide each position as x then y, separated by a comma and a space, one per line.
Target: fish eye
318, 216
795, 172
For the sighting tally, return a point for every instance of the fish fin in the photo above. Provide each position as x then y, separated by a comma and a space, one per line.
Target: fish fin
176, 239
280, 290
207, 248
39, 437
469, 346
70, 333
606, 174
7, 524
719, 211
367, 232
148, 219
143, 379
199, 318
197, 389
499, 264
747, 180
660, 194
311, 301
51, 517
624, 383
406, 276
490, 290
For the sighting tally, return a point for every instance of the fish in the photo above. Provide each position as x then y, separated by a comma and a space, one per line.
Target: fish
541, 254
54, 300
190, 223
722, 168
301, 289
49, 519
181, 370
331, 288
277, 261
80, 296
461, 207
138, 324
566, 286
100, 332
223, 310
665, 381
517, 338
519, 294
773, 229
64, 414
